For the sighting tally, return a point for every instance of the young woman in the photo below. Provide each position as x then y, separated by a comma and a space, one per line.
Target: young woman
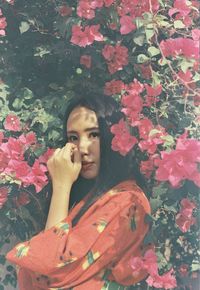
96, 218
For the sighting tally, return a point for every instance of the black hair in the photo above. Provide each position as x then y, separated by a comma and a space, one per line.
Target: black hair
114, 167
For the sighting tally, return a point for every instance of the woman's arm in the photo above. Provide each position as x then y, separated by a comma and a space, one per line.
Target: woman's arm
64, 170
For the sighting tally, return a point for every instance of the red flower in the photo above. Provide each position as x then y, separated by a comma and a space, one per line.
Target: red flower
135, 87
86, 60
133, 106
85, 36
184, 218
44, 158
28, 139
12, 123
127, 24
181, 7
165, 281
149, 263
196, 34
116, 56
84, 10
1, 137
39, 176
65, 10
180, 164
180, 46
108, 3
114, 87
122, 141
184, 223
3, 195
153, 91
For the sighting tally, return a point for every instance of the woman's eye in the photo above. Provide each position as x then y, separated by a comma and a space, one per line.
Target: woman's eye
94, 134
72, 138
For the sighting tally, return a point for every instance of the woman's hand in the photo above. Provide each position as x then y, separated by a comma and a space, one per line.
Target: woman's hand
64, 165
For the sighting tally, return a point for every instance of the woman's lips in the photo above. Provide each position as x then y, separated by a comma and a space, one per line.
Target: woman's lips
87, 165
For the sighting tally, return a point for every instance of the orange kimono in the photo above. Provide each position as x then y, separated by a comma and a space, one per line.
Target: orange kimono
93, 254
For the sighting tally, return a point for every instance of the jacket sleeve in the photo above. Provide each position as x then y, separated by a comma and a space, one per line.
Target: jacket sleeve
108, 234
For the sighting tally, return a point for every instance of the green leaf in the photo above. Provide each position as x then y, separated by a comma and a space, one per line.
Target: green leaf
149, 33
186, 63
139, 39
156, 78
168, 141
155, 203
141, 58
159, 190
153, 51
139, 22
24, 26
18, 103
179, 24
195, 266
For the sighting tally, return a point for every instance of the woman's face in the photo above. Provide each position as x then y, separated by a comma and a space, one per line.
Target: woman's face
83, 131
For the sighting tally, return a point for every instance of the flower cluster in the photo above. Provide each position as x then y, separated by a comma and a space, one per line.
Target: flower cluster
122, 141
86, 8
85, 36
150, 265
116, 57
181, 163
184, 218
17, 168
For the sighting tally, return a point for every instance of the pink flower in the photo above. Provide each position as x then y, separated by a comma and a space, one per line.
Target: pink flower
84, 10
145, 126
127, 24
116, 56
184, 218
85, 36
165, 281
181, 163
44, 158
1, 137
122, 142
181, 7
3, 195
114, 87
147, 167
180, 46
135, 87
39, 177
28, 139
108, 3
86, 60
149, 263
12, 123
153, 91
133, 105
196, 34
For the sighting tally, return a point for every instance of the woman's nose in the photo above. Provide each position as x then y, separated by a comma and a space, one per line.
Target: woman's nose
84, 145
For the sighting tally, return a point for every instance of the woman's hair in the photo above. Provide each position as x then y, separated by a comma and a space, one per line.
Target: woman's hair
114, 168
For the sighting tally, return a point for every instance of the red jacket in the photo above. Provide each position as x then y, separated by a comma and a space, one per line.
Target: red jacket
92, 254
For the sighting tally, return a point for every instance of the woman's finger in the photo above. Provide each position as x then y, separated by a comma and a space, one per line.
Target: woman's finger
77, 156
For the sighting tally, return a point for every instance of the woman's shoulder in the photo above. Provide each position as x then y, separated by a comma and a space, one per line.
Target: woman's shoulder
127, 191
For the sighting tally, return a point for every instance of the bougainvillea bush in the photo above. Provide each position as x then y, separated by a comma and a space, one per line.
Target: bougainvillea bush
145, 54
